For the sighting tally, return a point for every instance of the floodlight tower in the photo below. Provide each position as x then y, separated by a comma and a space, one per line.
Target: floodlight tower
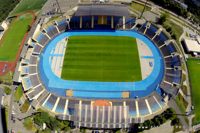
143, 9
59, 7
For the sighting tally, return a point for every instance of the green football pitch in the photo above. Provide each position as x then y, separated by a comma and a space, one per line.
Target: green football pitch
101, 58
194, 75
12, 38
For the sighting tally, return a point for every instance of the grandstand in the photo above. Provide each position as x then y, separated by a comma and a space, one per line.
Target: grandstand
121, 103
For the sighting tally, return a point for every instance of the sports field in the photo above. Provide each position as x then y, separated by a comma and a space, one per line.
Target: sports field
101, 58
194, 75
11, 40
27, 5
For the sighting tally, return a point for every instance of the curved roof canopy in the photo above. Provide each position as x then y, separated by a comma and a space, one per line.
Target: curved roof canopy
102, 10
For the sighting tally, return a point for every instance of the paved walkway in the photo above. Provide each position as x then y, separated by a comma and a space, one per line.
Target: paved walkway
64, 5
18, 126
164, 128
180, 115
10, 122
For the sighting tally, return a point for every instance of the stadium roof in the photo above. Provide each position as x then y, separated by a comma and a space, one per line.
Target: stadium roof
192, 45
102, 10
1, 28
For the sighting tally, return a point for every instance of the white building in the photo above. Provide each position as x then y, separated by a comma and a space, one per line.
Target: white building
193, 45
3, 26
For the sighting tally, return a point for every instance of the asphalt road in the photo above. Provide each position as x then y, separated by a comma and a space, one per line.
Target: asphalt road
1, 126
13, 87
180, 115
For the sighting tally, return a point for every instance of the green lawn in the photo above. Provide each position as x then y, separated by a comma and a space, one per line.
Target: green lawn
176, 29
139, 7
29, 125
11, 41
6, 115
18, 93
7, 78
7, 90
24, 108
27, 5
182, 104
194, 75
101, 58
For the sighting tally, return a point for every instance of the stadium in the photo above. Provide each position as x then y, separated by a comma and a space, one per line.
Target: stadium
100, 67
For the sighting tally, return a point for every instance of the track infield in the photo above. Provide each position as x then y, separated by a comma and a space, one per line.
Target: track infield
101, 58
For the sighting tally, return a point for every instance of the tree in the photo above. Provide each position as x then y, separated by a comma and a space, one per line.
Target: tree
169, 29
7, 90
41, 118
148, 124
162, 19
175, 121
174, 36
64, 125
53, 124
44, 131
28, 124
28, 28
156, 121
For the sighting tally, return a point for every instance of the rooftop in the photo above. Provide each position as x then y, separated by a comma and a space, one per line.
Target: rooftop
102, 10
192, 45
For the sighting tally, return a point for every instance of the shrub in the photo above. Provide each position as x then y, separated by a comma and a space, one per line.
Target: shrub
28, 124
25, 107
162, 19
7, 90
18, 93
51, 122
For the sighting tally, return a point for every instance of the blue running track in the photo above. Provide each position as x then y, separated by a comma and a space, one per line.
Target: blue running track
99, 90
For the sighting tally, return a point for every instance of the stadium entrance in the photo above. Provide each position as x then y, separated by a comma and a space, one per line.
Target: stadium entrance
101, 16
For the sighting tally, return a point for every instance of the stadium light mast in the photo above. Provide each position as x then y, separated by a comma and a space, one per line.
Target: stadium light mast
143, 9
59, 7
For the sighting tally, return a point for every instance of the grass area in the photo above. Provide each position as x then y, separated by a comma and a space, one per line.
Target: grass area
181, 103
176, 30
139, 7
29, 125
7, 78
18, 93
101, 58
27, 5
6, 114
11, 40
194, 70
184, 89
177, 128
187, 34
24, 108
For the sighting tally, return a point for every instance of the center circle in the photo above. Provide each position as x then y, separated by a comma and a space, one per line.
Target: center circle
106, 90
